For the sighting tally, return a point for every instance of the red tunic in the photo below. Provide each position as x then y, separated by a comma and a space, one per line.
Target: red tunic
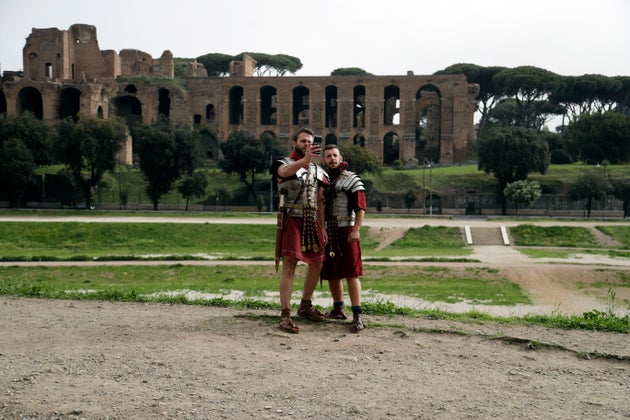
293, 229
349, 264
292, 242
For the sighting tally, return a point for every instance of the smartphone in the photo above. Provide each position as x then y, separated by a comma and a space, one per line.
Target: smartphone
317, 140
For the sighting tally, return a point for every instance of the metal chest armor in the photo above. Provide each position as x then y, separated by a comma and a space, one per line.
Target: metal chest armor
302, 187
347, 183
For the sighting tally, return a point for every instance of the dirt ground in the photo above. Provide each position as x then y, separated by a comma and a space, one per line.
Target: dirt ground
97, 360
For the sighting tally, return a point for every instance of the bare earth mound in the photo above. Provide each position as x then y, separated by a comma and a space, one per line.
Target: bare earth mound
74, 359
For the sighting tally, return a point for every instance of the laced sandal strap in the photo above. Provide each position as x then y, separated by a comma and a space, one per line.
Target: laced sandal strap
287, 325
357, 324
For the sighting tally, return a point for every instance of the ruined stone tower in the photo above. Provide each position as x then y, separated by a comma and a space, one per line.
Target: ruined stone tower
400, 117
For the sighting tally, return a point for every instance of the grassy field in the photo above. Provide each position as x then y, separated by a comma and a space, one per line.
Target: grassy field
22, 241
59, 241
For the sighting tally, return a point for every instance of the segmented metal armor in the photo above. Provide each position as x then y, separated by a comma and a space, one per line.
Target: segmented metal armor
299, 199
301, 191
347, 182
339, 212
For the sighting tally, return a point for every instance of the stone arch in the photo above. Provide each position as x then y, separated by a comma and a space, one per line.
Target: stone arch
69, 103
164, 102
432, 203
210, 112
359, 140
128, 108
331, 106
331, 139
391, 111
236, 105
131, 88
30, 100
301, 106
428, 123
391, 148
358, 107
268, 134
210, 144
99, 112
268, 105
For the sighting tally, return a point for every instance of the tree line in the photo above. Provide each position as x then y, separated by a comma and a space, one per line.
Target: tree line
168, 156
87, 148
512, 141
218, 64
514, 105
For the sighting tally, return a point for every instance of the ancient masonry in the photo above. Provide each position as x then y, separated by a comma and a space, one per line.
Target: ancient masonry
414, 119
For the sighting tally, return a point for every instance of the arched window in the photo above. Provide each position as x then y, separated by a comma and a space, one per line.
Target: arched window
268, 105
428, 123
69, 103
210, 113
30, 100
236, 105
391, 112
331, 106
359, 107
301, 106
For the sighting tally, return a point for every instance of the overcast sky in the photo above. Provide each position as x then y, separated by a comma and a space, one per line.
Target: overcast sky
383, 37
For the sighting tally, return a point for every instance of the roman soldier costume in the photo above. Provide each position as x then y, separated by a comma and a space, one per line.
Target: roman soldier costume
343, 197
300, 234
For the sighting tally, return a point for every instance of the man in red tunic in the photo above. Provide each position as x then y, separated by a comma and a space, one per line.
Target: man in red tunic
345, 208
303, 236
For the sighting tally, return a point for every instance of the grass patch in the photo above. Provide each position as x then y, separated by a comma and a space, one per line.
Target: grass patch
123, 241
430, 241
553, 236
546, 252
571, 253
153, 284
442, 284
593, 320
253, 281
369, 241
619, 233
67, 240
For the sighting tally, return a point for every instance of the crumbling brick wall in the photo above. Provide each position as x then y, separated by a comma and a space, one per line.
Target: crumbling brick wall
374, 111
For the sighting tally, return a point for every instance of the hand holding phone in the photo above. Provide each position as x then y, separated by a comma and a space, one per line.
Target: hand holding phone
317, 141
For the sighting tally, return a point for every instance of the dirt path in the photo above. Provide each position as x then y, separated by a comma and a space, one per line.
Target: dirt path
96, 360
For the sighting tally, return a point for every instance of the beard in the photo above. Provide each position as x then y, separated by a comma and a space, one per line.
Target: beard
300, 151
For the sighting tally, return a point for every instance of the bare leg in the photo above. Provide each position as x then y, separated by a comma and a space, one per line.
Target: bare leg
286, 281
354, 290
311, 279
336, 290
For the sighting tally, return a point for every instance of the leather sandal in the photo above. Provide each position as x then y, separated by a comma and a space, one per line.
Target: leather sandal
307, 311
287, 325
336, 313
357, 324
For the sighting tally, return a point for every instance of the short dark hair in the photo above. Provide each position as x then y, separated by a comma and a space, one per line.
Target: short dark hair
301, 130
331, 146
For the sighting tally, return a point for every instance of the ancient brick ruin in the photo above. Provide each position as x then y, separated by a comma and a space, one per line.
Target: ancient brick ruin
407, 117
